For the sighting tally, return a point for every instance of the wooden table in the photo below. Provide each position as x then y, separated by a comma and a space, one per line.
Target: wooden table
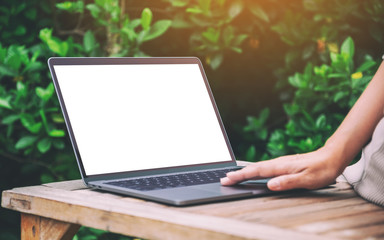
56, 211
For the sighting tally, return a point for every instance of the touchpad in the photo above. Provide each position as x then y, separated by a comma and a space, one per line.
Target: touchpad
223, 190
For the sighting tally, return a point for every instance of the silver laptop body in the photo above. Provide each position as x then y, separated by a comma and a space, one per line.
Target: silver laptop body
130, 119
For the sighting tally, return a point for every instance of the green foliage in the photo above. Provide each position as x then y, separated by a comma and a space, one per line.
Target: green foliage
32, 125
310, 28
212, 24
323, 95
95, 234
20, 20
124, 35
54, 44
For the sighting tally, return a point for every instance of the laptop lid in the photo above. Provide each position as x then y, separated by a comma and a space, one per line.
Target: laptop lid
140, 116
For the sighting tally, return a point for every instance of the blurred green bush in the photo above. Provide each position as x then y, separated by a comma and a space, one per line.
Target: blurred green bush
284, 73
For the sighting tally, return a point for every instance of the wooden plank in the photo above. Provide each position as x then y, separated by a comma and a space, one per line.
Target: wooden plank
243, 208
68, 185
302, 211
367, 232
138, 218
346, 222
53, 229
327, 214
39, 228
30, 227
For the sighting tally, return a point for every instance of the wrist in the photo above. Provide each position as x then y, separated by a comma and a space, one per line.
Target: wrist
338, 156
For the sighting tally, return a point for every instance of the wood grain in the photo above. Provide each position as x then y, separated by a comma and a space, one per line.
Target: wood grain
39, 228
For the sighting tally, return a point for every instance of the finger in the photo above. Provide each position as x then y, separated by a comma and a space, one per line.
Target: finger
265, 169
227, 181
288, 182
255, 171
232, 178
280, 166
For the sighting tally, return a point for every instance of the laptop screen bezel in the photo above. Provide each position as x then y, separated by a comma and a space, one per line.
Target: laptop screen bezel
55, 61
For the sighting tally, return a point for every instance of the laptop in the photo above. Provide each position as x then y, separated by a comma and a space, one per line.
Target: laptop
147, 128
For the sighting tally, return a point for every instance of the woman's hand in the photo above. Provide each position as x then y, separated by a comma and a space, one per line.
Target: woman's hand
310, 171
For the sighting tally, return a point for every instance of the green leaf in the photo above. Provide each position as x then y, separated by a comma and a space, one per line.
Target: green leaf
337, 75
89, 41
16, 56
45, 94
308, 51
264, 114
195, 10
291, 109
21, 89
25, 142
45, 178
57, 118
64, 5
3, 53
236, 49
235, 9
35, 128
134, 23
58, 144
71, 6
205, 5
228, 35
29, 123
10, 119
20, 30
31, 13
94, 9
131, 34
296, 80
366, 66
44, 145
56, 133
216, 61
321, 121
146, 18
6, 71
45, 34
54, 44
340, 95
212, 35
348, 47
239, 39
159, 28
44, 119
97, 231
260, 13
179, 3
5, 103
251, 154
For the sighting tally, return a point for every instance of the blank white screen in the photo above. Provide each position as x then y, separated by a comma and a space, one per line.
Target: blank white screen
136, 117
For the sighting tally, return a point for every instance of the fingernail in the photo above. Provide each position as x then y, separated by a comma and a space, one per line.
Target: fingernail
274, 184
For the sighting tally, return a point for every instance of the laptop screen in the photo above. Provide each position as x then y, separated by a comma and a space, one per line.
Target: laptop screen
130, 117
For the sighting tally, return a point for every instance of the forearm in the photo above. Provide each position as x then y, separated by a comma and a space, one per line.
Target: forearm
359, 124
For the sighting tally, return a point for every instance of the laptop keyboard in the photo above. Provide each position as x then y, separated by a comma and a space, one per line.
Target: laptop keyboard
173, 181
